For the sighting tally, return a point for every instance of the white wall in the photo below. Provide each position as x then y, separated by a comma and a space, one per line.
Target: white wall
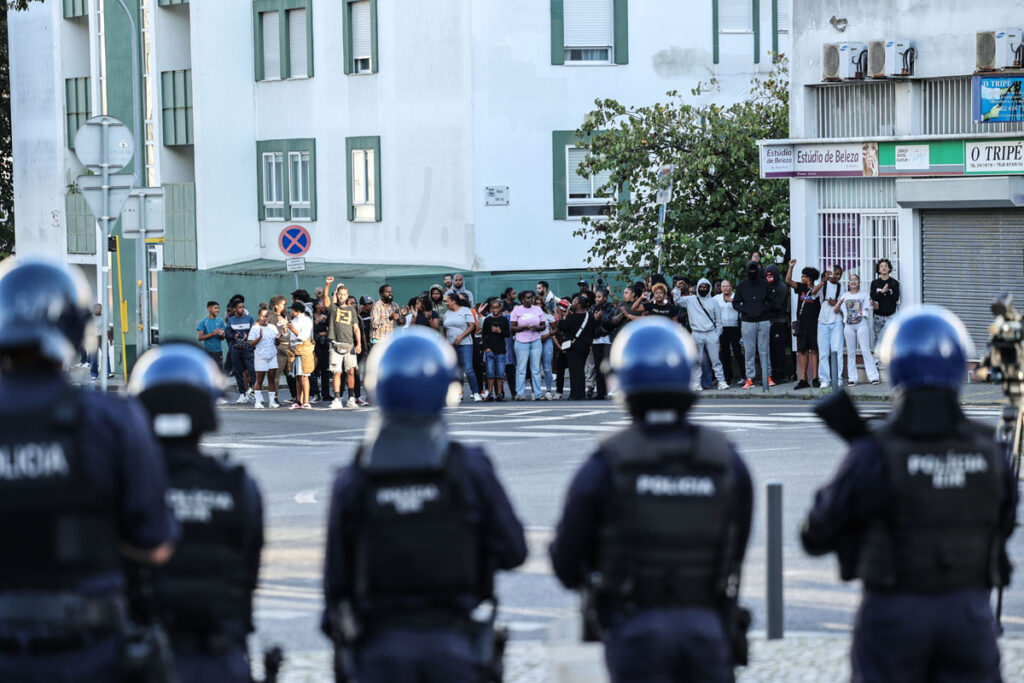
520, 98
223, 118
37, 96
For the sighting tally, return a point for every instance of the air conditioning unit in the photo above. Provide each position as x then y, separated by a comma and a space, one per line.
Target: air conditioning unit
891, 58
1003, 49
844, 61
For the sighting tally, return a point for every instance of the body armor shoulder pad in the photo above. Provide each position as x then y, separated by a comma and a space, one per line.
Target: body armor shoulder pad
633, 446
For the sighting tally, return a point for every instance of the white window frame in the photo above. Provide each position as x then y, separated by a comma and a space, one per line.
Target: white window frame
299, 196
275, 205
592, 200
569, 61
364, 209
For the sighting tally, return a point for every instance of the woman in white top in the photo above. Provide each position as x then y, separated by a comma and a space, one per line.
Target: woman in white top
300, 328
855, 307
729, 340
262, 337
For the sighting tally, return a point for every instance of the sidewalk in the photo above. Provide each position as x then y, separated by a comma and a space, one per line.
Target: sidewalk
797, 657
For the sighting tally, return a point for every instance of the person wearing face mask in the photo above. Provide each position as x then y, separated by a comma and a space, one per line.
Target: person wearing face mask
751, 302
855, 307
703, 314
778, 316
729, 342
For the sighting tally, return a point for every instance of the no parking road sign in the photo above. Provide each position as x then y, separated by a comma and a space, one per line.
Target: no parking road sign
294, 241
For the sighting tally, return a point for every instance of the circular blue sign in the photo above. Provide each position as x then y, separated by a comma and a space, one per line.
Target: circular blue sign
294, 240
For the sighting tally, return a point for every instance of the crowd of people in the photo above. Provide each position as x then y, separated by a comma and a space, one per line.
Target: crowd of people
520, 345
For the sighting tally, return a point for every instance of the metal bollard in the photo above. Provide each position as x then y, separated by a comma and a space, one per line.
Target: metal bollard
773, 600
833, 361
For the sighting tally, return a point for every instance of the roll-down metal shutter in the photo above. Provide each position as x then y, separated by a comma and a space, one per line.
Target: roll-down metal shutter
970, 257
589, 23
297, 43
361, 29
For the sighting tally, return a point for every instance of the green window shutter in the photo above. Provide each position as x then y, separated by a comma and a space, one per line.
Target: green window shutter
557, 32
176, 91
76, 106
371, 142
373, 38
180, 225
757, 31
75, 8
81, 225
621, 10
560, 139
281, 7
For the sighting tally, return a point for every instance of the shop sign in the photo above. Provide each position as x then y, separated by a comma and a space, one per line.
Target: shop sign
819, 161
994, 157
998, 99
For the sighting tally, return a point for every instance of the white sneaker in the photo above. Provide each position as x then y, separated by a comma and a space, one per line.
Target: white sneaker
351, 403
520, 397
243, 398
336, 404
722, 386
250, 394
484, 395
273, 404
547, 396
476, 398
258, 405
220, 401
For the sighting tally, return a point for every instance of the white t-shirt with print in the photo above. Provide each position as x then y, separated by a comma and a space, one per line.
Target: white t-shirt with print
855, 308
265, 349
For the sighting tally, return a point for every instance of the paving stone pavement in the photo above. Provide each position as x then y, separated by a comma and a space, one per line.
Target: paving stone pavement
797, 658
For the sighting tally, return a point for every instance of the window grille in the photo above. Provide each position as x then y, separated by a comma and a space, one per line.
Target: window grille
856, 110
946, 109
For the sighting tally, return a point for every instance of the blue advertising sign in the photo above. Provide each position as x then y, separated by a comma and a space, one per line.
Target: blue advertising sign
998, 99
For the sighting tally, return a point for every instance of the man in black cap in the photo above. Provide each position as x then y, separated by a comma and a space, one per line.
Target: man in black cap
584, 285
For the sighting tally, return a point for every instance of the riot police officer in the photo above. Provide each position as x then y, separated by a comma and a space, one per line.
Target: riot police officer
920, 510
82, 485
418, 524
656, 523
203, 596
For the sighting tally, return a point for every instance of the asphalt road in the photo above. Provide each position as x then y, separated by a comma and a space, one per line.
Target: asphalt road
536, 448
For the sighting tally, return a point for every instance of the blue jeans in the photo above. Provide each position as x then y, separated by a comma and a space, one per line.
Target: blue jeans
528, 352
465, 354
495, 364
546, 356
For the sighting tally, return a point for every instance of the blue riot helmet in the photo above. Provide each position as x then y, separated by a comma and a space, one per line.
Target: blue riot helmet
412, 373
926, 346
45, 307
179, 386
652, 362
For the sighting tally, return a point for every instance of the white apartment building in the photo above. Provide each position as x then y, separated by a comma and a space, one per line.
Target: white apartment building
907, 126
408, 138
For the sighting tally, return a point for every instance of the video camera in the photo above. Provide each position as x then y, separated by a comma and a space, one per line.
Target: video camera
1002, 363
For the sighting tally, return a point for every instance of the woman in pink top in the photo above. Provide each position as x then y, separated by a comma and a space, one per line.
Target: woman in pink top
528, 322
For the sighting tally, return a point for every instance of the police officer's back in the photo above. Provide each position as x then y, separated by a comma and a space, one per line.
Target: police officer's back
203, 596
920, 510
656, 522
82, 485
417, 526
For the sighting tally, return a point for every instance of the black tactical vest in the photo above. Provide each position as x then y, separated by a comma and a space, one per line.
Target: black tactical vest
416, 539
941, 530
57, 524
205, 588
670, 534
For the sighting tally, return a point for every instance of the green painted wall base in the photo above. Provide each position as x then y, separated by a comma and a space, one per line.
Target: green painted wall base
184, 293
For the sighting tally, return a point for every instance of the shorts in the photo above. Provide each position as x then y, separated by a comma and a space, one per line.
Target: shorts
807, 338
264, 364
343, 362
297, 368
495, 363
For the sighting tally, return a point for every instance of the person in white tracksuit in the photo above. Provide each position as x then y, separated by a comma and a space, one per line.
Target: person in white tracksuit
702, 312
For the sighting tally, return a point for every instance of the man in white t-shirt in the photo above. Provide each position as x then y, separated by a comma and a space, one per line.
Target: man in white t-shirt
262, 337
830, 325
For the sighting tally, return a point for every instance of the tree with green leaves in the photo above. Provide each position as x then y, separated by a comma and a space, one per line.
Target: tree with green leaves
720, 211
6, 145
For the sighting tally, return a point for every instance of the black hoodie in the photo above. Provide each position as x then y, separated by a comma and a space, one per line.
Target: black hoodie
778, 296
751, 300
